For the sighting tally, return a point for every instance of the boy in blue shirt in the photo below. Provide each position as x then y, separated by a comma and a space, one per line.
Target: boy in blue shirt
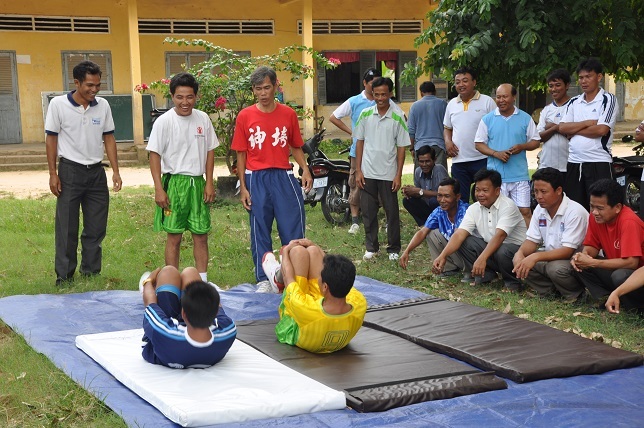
184, 325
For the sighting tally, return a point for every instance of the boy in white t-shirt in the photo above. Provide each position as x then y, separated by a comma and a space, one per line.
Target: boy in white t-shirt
181, 147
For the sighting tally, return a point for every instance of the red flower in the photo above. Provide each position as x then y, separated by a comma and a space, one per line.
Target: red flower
220, 104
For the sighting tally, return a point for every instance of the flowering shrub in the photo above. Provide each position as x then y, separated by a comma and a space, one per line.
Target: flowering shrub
224, 83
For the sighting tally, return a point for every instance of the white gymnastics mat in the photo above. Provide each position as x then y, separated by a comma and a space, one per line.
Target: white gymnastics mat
245, 385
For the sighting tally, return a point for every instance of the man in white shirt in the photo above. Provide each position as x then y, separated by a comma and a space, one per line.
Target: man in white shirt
554, 153
181, 146
559, 224
461, 121
489, 235
589, 122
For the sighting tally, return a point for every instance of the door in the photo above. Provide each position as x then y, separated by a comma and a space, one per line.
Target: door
10, 129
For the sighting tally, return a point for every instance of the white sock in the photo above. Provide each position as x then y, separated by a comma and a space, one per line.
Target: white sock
204, 276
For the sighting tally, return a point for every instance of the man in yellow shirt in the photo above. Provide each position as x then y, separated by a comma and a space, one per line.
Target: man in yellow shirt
320, 310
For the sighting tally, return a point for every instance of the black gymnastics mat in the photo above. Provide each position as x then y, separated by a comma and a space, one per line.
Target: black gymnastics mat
377, 371
514, 348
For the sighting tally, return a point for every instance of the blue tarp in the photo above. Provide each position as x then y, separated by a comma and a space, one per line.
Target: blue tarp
50, 324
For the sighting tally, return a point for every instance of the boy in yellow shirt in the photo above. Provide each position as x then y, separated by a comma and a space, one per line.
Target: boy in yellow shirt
320, 310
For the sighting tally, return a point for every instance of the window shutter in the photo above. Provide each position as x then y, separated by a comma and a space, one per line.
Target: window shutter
321, 72
442, 90
175, 62
6, 80
408, 93
102, 59
367, 60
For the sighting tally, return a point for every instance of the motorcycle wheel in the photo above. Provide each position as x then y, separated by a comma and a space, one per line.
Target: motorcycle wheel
335, 203
633, 193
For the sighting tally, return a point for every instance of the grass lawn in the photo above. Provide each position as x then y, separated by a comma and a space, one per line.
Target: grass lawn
35, 393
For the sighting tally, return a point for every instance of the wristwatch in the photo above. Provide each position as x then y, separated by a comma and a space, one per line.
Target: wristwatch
420, 192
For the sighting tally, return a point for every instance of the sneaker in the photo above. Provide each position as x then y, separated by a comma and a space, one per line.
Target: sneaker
266, 287
271, 267
215, 286
368, 255
393, 256
355, 227
467, 277
145, 276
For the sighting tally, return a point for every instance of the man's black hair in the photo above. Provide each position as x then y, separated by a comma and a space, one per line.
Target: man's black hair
339, 273
183, 79
426, 150
590, 64
382, 81
611, 189
427, 88
489, 174
449, 181
550, 175
84, 68
200, 303
559, 74
466, 70
370, 74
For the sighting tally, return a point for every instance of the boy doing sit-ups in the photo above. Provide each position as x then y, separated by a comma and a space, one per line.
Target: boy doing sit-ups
320, 310
184, 325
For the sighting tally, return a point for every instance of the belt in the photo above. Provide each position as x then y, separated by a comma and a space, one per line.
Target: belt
80, 165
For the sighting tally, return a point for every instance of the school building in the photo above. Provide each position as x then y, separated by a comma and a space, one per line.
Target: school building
40, 42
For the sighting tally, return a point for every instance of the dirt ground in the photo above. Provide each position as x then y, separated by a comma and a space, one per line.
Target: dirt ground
35, 184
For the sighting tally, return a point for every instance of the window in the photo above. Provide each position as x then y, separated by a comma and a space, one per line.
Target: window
103, 59
344, 81
176, 62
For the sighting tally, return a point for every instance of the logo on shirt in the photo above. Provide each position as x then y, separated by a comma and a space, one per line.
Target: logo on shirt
558, 115
616, 244
96, 121
257, 137
562, 226
542, 222
199, 130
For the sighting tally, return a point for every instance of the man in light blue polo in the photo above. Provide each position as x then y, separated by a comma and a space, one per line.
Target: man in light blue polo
382, 137
504, 135
426, 122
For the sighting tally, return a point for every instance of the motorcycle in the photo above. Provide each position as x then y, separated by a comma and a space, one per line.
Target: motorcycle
330, 181
628, 171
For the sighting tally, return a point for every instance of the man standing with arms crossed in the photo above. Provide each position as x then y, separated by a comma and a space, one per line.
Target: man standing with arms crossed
589, 122
461, 121
266, 133
77, 126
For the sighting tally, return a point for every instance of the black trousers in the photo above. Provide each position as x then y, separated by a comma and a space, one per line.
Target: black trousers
601, 282
369, 206
84, 188
419, 209
500, 261
580, 176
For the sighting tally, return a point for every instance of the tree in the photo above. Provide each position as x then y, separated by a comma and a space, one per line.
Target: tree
520, 41
224, 83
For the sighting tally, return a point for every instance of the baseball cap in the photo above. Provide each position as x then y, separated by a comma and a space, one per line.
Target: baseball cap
371, 74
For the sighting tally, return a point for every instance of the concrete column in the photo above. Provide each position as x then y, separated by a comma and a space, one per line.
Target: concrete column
135, 70
307, 40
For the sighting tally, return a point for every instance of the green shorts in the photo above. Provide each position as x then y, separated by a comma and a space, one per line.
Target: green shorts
187, 210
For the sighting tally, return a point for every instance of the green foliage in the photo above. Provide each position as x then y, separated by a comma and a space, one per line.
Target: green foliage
224, 82
521, 41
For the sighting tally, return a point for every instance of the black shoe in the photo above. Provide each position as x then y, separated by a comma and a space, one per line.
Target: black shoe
64, 281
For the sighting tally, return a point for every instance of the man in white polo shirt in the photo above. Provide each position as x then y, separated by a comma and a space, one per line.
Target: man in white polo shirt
77, 126
589, 122
461, 121
559, 224
382, 137
491, 232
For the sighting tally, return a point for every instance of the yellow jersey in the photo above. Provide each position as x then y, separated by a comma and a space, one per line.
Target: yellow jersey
305, 324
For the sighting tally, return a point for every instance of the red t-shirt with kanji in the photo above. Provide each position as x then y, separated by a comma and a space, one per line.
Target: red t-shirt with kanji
267, 138
622, 238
